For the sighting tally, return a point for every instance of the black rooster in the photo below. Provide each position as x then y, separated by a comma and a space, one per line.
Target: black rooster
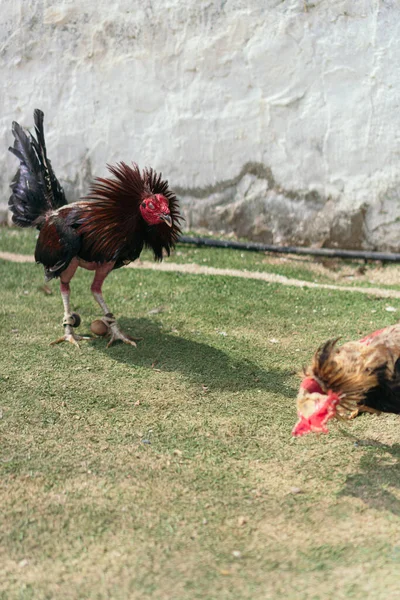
104, 231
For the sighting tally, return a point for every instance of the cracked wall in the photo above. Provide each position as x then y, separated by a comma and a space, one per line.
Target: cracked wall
274, 119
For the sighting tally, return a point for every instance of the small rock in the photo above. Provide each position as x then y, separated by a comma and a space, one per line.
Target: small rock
177, 452
274, 341
156, 311
146, 442
223, 333
242, 521
390, 309
237, 554
23, 563
295, 490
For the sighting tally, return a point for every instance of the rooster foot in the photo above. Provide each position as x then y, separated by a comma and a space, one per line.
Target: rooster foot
116, 334
72, 338
69, 322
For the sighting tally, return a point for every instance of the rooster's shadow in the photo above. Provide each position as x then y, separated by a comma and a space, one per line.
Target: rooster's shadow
377, 484
199, 361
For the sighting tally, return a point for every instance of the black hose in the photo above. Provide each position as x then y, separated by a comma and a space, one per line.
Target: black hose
255, 247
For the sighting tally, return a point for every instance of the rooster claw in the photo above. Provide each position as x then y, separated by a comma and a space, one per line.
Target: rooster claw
116, 334
72, 338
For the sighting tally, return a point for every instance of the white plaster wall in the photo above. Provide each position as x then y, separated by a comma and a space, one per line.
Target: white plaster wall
309, 91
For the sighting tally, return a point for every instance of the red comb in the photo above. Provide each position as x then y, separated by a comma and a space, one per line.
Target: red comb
311, 385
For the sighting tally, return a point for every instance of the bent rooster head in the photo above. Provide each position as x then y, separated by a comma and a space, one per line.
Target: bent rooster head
314, 408
337, 382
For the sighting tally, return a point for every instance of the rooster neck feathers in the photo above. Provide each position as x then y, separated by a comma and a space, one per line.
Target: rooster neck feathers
110, 221
350, 370
361, 372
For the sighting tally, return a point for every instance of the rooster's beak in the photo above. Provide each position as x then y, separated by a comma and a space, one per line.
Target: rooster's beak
167, 219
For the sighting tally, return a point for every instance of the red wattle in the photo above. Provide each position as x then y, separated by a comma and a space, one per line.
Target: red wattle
316, 423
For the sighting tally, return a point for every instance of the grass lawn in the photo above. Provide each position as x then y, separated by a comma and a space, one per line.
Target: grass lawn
169, 471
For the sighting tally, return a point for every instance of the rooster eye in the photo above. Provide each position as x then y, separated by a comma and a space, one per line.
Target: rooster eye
143, 204
151, 206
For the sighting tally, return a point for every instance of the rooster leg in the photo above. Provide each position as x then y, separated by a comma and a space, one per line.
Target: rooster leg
113, 329
70, 319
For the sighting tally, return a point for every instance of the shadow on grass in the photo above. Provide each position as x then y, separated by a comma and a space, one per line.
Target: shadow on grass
199, 361
380, 471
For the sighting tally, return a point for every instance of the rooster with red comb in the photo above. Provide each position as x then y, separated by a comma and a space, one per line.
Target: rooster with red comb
101, 232
360, 376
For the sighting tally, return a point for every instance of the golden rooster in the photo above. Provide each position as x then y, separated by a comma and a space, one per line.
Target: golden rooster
360, 376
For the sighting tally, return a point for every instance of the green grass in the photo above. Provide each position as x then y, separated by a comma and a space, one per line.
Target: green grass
169, 471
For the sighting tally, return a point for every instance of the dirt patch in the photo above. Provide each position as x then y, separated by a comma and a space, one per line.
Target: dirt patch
338, 270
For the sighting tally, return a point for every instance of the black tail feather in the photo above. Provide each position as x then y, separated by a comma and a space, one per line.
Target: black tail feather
38, 117
35, 188
57, 197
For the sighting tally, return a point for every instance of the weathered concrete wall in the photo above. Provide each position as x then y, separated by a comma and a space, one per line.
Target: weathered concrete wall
276, 119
